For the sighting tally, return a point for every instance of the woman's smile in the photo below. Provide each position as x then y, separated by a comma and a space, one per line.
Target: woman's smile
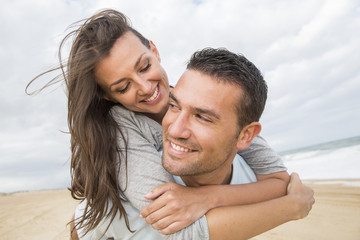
155, 96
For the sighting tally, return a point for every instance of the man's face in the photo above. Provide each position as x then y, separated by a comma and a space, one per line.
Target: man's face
200, 128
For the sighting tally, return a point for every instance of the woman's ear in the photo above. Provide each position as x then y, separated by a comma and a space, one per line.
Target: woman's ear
247, 134
155, 50
106, 97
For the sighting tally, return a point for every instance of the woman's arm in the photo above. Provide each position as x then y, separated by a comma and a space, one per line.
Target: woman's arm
269, 169
243, 222
271, 174
178, 206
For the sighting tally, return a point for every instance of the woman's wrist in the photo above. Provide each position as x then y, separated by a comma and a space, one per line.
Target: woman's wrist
212, 196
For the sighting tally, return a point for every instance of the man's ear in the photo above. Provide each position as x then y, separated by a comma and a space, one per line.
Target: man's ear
155, 50
247, 134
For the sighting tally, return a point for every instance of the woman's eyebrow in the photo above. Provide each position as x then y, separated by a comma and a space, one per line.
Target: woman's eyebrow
139, 60
116, 82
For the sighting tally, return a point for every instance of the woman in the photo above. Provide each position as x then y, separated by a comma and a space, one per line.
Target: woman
104, 78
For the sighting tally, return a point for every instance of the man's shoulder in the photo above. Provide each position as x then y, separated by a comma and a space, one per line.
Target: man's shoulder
241, 172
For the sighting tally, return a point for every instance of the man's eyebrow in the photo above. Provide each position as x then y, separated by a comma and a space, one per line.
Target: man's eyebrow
198, 109
207, 112
173, 97
135, 66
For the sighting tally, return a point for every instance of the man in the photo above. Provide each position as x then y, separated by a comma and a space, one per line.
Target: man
214, 111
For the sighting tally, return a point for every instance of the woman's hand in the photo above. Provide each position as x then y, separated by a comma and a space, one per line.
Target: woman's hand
302, 195
175, 207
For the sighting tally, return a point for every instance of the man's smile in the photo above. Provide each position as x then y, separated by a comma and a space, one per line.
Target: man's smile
179, 148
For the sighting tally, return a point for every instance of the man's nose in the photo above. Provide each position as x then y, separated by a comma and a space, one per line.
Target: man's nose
180, 127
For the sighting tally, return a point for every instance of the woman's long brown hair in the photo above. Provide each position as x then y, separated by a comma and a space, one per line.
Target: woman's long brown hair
95, 156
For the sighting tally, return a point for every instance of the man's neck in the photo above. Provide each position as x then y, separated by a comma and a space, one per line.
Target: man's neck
212, 178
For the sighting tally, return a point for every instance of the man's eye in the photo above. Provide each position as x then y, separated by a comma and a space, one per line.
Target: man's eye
125, 88
173, 106
203, 118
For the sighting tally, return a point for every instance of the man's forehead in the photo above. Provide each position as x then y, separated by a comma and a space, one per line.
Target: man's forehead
203, 91
201, 83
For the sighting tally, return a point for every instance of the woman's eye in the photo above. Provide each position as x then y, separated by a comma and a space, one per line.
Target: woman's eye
125, 88
148, 65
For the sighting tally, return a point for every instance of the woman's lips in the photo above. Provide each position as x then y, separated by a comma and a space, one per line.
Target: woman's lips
154, 96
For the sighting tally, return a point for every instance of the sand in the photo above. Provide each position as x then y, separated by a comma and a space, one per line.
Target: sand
36, 215
44, 215
334, 216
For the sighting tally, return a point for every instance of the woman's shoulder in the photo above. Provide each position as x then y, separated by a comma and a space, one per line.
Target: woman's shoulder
137, 122
121, 114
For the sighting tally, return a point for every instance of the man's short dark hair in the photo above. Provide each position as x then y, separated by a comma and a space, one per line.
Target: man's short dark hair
235, 69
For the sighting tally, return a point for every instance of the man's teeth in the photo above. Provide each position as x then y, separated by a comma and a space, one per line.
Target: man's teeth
176, 147
154, 95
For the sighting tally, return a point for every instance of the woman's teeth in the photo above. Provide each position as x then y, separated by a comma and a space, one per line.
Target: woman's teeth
176, 147
153, 96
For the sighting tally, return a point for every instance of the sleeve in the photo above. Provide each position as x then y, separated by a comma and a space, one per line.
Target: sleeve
262, 158
94, 234
144, 171
197, 230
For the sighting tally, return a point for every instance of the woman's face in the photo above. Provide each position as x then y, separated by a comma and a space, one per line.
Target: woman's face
132, 76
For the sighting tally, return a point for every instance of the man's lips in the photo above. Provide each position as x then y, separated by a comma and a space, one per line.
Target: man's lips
180, 148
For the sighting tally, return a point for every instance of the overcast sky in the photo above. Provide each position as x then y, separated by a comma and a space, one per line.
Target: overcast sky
308, 51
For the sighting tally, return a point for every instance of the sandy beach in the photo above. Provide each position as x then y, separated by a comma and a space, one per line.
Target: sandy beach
44, 214
335, 215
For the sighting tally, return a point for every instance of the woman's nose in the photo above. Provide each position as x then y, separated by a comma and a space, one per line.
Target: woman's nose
144, 86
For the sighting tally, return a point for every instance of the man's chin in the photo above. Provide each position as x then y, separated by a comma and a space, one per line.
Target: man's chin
171, 167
